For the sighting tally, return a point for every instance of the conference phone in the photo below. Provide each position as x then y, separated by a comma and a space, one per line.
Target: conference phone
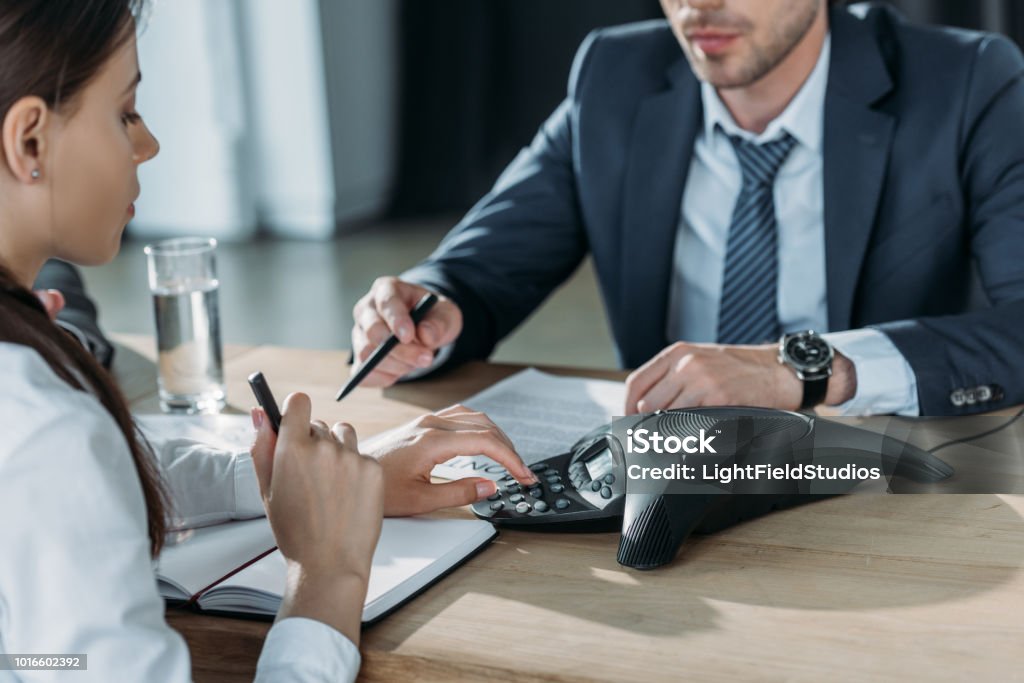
585, 488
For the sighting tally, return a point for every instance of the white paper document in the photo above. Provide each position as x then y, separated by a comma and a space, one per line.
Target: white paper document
542, 414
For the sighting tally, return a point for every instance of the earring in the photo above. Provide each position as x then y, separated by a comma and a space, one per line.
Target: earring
35, 174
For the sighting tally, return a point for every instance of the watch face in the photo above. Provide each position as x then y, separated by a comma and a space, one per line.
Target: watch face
808, 353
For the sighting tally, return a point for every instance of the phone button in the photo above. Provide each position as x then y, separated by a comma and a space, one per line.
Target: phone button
557, 488
595, 485
540, 506
609, 478
497, 506
523, 508
517, 498
606, 492
562, 503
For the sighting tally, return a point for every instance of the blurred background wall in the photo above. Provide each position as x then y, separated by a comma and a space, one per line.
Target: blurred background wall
326, 142
300, 117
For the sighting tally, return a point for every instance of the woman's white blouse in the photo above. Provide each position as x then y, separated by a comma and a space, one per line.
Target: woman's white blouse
75, 572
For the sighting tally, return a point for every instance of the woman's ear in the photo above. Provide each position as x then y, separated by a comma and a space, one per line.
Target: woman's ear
25, 130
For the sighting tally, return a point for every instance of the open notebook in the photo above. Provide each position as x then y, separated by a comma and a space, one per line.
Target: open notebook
235, 568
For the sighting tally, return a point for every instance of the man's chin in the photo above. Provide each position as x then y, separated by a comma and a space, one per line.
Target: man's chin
722, 73
725, 81
729, 79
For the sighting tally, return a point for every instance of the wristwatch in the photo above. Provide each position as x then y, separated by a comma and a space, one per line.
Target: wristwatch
810, 357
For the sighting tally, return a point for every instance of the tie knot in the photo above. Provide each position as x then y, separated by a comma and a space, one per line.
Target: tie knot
761, 163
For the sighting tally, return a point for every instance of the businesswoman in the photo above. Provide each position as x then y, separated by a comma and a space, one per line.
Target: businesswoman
85, 502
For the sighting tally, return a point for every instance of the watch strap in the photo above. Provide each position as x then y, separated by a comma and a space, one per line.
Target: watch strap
815, 391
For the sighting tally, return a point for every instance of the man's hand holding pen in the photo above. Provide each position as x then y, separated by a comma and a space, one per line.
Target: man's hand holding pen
383, 311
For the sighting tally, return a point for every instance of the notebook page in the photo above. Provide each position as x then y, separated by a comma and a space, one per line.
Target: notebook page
193, 559
411, 553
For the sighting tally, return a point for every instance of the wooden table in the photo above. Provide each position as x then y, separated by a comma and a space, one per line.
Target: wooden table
853, 588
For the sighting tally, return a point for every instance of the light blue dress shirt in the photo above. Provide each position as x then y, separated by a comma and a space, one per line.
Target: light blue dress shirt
885, 381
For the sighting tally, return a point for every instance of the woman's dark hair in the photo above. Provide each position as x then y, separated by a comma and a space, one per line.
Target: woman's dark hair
53, 49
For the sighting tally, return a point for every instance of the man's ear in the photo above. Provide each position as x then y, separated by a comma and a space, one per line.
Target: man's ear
25, 131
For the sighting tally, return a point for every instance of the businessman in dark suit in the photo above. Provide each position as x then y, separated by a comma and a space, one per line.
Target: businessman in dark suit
797, 165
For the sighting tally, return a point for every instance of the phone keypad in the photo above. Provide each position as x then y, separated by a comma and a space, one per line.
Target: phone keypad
550, 495
513, 496
552, 500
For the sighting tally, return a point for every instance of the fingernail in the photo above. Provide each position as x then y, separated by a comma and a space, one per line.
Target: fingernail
485, 488
257, 418
428, 332
641, 406
425, 360
404, 333
532, 478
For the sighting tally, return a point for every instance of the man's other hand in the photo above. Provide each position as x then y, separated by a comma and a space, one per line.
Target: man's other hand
52, 300
699, 375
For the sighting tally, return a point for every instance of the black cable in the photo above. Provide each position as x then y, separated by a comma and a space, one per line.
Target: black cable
965, 439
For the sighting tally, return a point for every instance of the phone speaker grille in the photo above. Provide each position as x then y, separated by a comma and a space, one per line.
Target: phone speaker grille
684, 423
653, 528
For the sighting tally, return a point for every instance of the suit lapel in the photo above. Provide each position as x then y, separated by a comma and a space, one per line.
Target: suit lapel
663, 136
857, 142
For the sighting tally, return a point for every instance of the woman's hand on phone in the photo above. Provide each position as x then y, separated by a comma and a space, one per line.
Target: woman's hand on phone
324, 501
408, 454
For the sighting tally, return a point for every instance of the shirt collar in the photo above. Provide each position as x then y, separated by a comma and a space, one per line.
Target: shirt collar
802, 118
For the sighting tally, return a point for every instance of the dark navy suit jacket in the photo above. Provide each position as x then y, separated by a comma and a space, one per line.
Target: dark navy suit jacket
923, 195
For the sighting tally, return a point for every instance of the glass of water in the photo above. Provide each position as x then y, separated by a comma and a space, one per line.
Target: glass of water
183, 281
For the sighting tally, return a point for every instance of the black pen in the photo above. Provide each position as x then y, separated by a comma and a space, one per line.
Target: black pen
417, 314
266, 399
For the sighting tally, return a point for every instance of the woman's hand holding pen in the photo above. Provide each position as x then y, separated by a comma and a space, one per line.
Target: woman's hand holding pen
324, 501
385, 311
409, 453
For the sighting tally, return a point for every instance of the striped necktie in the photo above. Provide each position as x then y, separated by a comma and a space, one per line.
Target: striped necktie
748, 312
